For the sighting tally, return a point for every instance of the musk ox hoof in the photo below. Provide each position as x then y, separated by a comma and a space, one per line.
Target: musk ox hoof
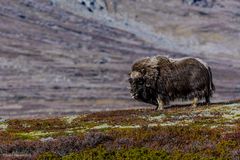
194, 103
158, 108
160, 104
207, 104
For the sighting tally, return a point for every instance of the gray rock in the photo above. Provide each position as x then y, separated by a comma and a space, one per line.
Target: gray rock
2, 119
89, 4
200, 3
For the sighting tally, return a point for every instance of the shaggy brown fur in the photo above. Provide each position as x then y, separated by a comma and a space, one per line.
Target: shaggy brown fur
160, 79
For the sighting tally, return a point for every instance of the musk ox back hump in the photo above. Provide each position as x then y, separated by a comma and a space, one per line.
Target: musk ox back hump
188, 78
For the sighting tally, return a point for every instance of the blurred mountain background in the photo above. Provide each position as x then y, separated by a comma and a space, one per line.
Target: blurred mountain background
72, 56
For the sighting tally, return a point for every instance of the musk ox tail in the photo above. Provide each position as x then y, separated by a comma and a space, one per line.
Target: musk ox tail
211, 85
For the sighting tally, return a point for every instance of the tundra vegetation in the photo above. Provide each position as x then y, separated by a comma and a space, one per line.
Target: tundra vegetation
205, 132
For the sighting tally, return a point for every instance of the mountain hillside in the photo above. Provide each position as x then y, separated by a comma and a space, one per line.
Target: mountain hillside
70, 56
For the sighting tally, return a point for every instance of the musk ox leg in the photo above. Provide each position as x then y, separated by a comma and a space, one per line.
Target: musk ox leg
207, 99
195, 101
162, 103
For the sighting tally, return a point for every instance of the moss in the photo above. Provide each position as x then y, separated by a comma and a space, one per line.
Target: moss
35, 135
48, 156
116, 118
128, 154
6, 137
224, 148
205, 121
101, 153
77, 124
36, 124
178, 155
159, 136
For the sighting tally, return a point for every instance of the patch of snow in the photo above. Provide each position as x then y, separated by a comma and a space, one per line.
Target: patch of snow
69, 119
233, 114
36, 134
212, 127
105, 126
123, 127
168, 123
183, 117
3, 126
158, 118
47, 139
152, 125
186, 122
206, 114
233, 105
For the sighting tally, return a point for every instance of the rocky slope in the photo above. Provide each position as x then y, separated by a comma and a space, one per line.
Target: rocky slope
68, 56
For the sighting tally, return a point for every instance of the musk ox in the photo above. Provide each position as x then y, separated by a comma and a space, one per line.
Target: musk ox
158, 80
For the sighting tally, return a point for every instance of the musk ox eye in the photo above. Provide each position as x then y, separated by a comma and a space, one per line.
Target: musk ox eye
140, 82
130, 80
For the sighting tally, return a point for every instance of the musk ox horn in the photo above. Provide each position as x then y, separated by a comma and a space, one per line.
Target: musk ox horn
135, 74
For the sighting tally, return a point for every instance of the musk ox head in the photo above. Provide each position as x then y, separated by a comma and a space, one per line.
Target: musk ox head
136, 81
142, 81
